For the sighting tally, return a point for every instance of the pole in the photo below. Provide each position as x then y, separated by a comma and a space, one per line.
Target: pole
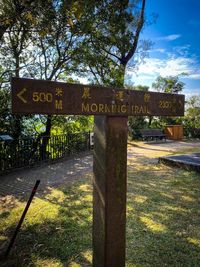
109, 194
22, 218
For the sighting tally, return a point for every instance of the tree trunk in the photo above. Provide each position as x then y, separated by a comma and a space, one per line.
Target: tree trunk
17, 127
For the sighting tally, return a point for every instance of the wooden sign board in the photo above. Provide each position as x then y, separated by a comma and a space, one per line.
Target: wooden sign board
47, 97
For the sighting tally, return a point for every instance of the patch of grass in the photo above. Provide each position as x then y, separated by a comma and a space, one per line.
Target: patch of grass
56, 231
163, 229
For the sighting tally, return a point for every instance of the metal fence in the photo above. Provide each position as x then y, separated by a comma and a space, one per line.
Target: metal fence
32, 151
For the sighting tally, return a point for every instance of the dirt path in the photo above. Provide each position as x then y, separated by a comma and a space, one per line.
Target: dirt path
154, 150
21, 182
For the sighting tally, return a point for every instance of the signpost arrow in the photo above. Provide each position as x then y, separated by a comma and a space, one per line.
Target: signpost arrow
20, 95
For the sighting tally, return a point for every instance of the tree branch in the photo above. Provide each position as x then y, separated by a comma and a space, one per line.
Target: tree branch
124, 60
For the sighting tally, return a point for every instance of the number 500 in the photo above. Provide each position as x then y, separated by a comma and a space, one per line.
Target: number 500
42, 97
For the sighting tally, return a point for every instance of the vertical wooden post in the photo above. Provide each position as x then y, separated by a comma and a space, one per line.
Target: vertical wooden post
109, 193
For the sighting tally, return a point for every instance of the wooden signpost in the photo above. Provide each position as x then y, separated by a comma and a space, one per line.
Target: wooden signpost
47, 97
113, 106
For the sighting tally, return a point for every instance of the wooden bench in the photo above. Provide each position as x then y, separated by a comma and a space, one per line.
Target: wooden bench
151, 134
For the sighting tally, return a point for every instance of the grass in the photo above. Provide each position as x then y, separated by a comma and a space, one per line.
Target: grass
163, 220
57, 229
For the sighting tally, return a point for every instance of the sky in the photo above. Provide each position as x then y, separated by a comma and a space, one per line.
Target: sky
176, 43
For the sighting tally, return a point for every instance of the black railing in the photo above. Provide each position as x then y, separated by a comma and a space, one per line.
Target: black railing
32, 151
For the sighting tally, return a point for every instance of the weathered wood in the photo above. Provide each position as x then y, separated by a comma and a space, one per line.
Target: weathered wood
109, 195
47, 97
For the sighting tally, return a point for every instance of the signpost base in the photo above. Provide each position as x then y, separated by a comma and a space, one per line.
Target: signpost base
109, 194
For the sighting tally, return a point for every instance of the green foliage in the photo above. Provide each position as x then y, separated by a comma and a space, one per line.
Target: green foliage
169, 84
72, 124
4, 104
38, 43
191, 120
135, 124
193, 111
33, 15
161, 122
131, 86
112, 40
141, 88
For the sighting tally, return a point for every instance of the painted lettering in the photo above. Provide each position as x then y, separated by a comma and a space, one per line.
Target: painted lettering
42, 97
141, 110
59, 92
165, 104
147, 110
113, 107
147, 97
86, 93
137, 109
101, 108
58, 104
119, 95
85, 107
107, 108
94, 107
123, 109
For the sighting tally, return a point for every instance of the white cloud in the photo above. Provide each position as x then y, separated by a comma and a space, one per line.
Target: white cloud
183, 50
171, 37
160, 50
168, 67
191, 92
194, 76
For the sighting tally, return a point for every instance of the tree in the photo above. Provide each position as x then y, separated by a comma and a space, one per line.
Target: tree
55, 52
141, 88
192, 116
169, 84
23, 11
112, 40
12, 47
40, 41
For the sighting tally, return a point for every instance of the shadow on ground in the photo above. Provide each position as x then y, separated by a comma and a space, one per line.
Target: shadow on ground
57, 231
163, 219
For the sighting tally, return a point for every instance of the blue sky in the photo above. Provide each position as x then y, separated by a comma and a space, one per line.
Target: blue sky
176, 48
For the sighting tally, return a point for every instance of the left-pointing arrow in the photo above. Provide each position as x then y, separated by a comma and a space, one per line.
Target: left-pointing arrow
20, 95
